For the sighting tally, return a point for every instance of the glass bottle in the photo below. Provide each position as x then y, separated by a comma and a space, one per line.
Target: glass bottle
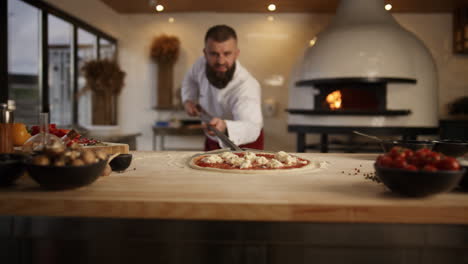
6, 125
43, 140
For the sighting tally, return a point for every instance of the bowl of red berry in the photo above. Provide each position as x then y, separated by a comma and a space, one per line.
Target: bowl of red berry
418, 173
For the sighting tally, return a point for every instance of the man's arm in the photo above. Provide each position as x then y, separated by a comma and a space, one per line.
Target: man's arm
246, 110
189, 93
217, 123
190, 108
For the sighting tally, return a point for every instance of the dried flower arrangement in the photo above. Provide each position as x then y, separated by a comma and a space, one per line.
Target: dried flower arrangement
106, 80
165, 52
165, 49
103, 76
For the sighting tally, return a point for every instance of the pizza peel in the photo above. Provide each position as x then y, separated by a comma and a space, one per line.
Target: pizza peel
206, 118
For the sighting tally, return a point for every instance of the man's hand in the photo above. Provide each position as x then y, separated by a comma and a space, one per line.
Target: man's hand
191, 108
217, 123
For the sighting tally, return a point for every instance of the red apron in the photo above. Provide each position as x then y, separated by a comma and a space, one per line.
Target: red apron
257, 144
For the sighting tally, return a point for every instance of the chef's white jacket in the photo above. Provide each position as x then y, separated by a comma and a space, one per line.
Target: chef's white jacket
239, 103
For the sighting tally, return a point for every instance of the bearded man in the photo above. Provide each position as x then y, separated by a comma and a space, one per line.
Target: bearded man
226, 90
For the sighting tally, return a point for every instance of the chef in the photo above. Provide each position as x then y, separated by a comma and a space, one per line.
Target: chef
226, 90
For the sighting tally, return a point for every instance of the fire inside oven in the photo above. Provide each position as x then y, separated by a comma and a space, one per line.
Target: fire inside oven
345, 97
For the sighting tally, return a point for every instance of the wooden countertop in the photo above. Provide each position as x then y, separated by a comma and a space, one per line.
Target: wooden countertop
160, 185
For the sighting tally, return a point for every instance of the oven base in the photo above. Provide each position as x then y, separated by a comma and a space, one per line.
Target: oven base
324, 131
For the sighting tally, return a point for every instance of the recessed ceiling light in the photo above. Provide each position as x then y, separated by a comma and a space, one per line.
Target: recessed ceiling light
159, 8
270, 18
272, 7
171, 20
312, 41
388, 7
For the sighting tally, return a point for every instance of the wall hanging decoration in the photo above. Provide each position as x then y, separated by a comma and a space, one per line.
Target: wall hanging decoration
165, 52
105, 80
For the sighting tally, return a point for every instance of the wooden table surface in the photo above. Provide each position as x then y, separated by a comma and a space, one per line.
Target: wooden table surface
160, 185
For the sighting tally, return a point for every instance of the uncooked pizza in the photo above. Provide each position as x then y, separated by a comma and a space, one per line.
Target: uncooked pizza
248, 162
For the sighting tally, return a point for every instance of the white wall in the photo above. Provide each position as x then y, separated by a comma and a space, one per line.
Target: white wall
435, 30
268, 49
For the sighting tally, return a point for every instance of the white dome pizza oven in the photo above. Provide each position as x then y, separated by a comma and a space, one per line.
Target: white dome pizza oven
364, 72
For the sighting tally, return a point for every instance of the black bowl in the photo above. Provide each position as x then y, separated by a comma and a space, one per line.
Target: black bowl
65, 177
11, 168
121, 162
453, 148
418, 183
387, 145
464, 181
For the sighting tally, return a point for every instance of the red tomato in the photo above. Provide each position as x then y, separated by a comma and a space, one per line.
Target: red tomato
384, 161
35, 130
424, 150
395, 152
448, 163
417, 160
399, 162
410, 167
429, 168
433, 156
409, 153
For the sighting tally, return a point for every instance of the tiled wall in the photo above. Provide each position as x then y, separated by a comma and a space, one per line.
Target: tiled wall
65, 240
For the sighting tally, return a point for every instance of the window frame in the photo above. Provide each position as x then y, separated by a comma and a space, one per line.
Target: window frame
76, 23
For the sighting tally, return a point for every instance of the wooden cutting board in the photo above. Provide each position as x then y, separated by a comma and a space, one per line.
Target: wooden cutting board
110, 148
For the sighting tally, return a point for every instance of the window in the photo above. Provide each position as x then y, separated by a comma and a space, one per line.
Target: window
60, 87
23, 60
87, 46
36, 28
107, 49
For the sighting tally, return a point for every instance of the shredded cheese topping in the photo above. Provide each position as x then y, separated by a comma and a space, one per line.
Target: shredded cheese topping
246, 161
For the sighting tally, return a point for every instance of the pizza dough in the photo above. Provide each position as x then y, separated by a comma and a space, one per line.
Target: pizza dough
250, 162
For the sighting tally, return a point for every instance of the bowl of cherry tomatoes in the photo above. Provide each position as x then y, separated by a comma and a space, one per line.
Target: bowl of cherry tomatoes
418, 173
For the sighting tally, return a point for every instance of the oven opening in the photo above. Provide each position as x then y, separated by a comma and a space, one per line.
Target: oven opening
351, 97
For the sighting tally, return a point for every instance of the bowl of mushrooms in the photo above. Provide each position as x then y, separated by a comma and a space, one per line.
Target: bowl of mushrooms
67, 169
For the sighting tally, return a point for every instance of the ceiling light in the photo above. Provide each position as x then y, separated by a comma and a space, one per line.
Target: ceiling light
159, 8
272, 7
171, 20
388, 7
270, 18
312, 41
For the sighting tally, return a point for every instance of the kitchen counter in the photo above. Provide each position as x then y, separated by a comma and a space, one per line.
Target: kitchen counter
160, 185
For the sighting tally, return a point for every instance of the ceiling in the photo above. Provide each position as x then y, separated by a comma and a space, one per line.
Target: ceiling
259, 6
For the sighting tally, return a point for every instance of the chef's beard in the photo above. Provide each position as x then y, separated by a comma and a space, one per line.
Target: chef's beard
220, 79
